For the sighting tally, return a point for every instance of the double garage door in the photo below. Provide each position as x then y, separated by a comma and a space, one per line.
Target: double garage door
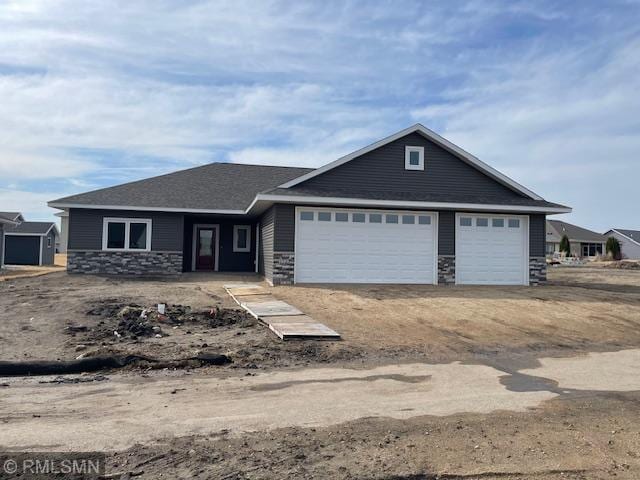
385, 246
358, 246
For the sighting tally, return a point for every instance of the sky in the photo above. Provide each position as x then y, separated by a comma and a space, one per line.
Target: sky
94, 93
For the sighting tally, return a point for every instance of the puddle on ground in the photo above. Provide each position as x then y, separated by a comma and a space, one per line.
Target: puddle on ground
265, 387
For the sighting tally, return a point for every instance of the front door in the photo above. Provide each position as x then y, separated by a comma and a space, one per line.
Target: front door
205, 248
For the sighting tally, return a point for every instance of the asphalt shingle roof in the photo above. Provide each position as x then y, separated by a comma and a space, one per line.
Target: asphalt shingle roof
632, 234
216, 186
576, 233
36, 228
9, 215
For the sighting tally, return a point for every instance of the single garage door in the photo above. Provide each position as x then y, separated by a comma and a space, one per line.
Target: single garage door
21, 250
492, 250
365, 246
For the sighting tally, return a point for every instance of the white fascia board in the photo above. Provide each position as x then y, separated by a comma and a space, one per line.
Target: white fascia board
431, 135
405, 204
12, 234
625, 236
145, 209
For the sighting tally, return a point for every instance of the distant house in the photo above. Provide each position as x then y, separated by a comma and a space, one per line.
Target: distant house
7, 219
629, 242
29, 243
584, 243
63, 240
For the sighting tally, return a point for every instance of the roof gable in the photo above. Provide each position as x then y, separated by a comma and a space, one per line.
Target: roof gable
633, 235
383, 170
32, 228
573, 232
434, 140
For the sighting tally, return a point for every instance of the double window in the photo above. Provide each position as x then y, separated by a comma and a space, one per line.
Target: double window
126, 234
241, 238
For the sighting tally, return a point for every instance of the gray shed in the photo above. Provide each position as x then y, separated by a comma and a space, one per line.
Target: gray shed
30, 243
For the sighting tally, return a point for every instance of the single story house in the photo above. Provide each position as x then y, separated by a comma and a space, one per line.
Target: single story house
410, 208
583, 243
7, 219
629, 242
30, 243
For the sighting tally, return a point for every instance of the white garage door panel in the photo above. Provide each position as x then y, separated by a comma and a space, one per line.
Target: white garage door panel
353, 252
489, 255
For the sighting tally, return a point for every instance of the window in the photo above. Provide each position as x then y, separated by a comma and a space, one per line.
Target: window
126, 234
375, 218
413, 158
306, 215
392, 218
514, 223
591, 249
241, 238
324, 216
482, 222
342, 217
358, 217
465, 221
497, 222
48, 242
408, 219
424, 220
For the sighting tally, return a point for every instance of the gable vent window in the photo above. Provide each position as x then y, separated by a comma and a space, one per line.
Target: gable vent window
413, 158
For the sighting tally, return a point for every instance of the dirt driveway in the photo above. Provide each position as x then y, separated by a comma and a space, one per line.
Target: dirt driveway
456, 383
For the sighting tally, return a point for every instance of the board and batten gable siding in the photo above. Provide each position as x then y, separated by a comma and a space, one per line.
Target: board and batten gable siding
85, 228
383, 169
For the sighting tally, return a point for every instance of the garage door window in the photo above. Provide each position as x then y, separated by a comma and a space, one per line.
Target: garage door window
306, 216
342, 217
465, 221
126, 234
358, 217
482, 222
408, 219
324, 216
514, 223
497, 222
375, 218
392, 218
424, 220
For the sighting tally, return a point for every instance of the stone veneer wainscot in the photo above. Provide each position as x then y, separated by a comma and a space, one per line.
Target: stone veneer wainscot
124, 263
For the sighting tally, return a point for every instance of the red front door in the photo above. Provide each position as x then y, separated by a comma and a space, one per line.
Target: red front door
205, 248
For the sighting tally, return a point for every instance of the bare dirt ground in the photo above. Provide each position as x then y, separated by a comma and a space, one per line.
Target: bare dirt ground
585, 425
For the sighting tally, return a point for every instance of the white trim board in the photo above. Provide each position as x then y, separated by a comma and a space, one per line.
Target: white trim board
406, 204
434, 137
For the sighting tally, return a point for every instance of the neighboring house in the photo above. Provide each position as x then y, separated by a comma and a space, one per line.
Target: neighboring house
411, 208
584, 243
30, 243
629, 242
7, 220
64, 231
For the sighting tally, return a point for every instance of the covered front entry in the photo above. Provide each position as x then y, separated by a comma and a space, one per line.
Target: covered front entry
492, 249
365, 246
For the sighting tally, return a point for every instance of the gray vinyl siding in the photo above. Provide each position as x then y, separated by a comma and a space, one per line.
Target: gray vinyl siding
267, 229
85, 228
285, 232
446, 233
383, 169
48, 253
1, 245
537, 235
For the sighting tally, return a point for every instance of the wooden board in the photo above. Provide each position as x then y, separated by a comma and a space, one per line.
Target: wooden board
292, 319
291, 331
248, 290
270, 308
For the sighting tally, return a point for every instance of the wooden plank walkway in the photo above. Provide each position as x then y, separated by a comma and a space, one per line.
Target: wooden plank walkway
285, 320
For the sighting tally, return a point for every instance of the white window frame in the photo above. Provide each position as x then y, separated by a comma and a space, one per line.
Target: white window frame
127, 221
407, 156
236, 248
